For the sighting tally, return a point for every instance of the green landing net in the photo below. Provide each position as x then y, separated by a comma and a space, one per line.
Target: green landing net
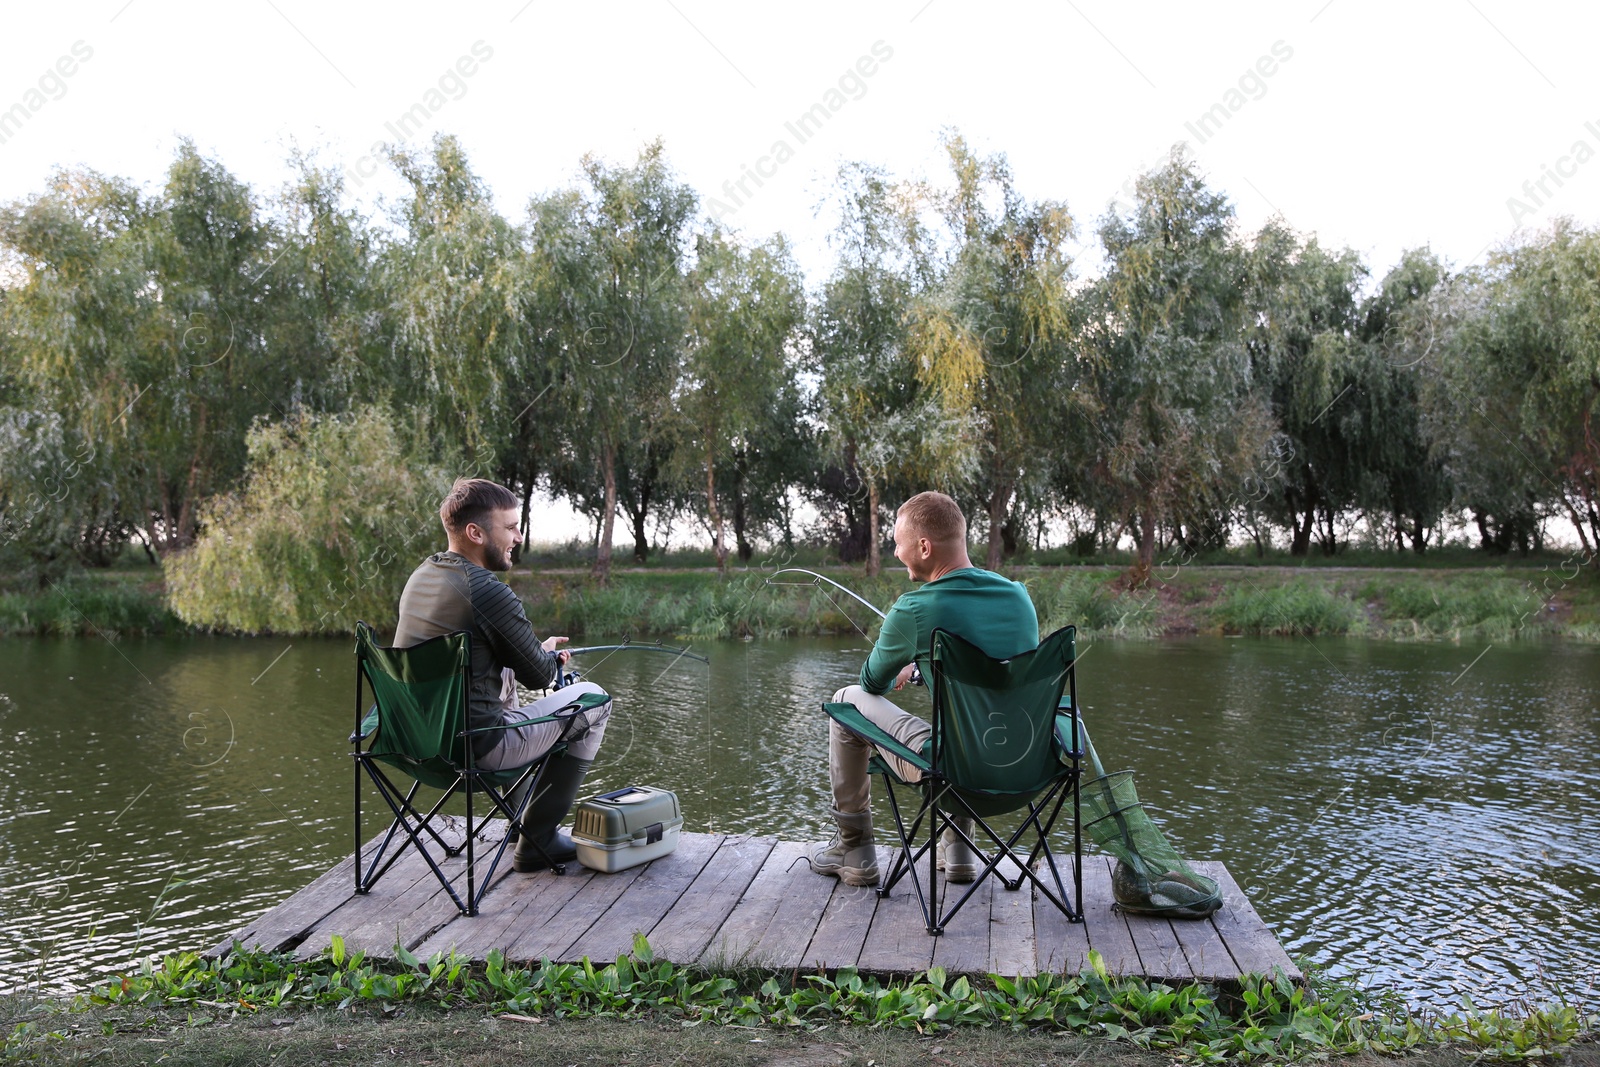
1150, 878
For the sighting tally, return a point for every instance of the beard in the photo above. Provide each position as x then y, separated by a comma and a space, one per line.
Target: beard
498, 560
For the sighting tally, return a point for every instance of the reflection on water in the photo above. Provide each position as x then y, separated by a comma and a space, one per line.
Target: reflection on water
1389, 815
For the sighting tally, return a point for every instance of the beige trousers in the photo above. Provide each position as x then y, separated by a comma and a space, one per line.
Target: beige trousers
848, 754
527, 743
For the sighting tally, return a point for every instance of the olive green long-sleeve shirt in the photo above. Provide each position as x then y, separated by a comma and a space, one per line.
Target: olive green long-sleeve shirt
981, 606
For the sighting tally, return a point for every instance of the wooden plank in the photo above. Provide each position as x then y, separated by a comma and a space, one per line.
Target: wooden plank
772, 924
1159, 952
286, 922
846, 918
547, 934
690, 924
542, 892
1012, 949
963, 948
1107, 928
430, 910
644, 900
405, 885
1250, 942
1205, 948
898, 941
1060, 946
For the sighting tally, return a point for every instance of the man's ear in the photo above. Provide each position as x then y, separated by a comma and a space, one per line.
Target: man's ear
475, 533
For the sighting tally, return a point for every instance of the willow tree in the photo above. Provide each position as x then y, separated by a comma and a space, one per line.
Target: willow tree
887, 412
617, 245
452, 285
1408, 476
744, 307
1164, 412
141, 324
1524, 380
995, 319
327, 334
1307, 357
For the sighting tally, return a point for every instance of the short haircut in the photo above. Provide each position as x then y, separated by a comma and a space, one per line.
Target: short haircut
936, 517
471, 500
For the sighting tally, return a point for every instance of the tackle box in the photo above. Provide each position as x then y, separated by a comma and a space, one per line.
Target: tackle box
626, 827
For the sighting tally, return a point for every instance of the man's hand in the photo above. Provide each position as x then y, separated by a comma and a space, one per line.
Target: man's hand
905, 674
550, 644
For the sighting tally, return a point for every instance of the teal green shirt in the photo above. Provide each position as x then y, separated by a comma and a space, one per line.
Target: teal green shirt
991, 611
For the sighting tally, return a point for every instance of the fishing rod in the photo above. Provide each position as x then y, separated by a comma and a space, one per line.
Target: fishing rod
858, 598
916, 672
627, 644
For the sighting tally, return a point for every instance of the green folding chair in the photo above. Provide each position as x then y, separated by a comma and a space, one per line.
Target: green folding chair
1006, 739
418, 726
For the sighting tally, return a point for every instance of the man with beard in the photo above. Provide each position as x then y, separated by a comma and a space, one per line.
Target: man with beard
458, 590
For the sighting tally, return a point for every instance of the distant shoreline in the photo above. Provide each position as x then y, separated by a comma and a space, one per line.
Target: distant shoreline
691, 603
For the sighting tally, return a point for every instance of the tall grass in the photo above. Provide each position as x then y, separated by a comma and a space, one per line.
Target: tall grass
85, 605
1296, 608
1089, 602
1468, 606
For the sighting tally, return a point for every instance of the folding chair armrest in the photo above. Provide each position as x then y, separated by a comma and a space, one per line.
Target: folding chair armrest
368, 725
582, 703
1063, 731
849, 716
476, 730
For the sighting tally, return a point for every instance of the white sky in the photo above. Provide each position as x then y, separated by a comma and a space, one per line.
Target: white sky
1389, 126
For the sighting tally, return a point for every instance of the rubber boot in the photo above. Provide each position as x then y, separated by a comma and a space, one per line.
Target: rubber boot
957, 859
541, 823
851, 856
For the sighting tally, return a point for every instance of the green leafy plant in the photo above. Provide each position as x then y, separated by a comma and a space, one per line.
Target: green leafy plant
1265, 1019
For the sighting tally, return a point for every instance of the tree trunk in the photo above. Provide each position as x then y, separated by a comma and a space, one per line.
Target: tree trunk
608, 517
715, 513
184, 535
527, 509
1301, 544
872, 528
1139, 575
740, 518
998, 500
641, 540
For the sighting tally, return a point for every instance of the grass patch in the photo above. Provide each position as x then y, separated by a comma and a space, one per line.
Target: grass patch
1092, 602
87, 605
1489, 606
1261, 1020
1296, 608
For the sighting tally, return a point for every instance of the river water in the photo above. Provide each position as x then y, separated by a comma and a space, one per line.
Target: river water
1420, 817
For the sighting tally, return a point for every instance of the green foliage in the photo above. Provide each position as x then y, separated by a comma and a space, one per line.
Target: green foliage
994, 325
1269, 1019
336, 512
1165, 421
1296, 608
744, 308
1093, 604
85, 606
1483, 606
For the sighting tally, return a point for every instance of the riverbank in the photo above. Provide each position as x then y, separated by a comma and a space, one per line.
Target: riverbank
335, 1008
1397, 603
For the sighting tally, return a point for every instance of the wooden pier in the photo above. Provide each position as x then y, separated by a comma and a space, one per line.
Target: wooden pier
722, 900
